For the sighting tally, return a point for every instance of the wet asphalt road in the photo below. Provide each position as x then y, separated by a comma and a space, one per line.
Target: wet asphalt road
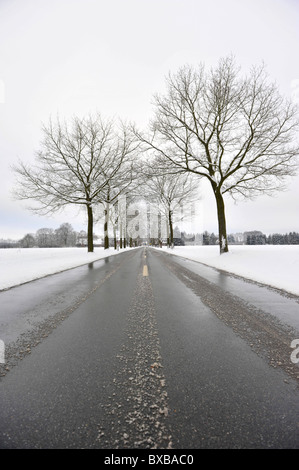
176, 355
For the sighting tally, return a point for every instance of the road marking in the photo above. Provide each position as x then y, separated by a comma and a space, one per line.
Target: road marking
145, 270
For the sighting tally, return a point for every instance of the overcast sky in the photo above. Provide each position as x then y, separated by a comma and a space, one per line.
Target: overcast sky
73, 57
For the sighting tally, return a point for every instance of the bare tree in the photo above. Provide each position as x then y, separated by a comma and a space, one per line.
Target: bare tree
45, 237
28, 241
236, 131
65, 235
76, 163
168, 193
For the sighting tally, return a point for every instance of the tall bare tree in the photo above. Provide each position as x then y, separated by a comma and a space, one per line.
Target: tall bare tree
75, 165
236, 131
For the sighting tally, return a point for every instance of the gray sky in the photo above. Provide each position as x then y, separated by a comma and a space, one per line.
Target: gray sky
71, 57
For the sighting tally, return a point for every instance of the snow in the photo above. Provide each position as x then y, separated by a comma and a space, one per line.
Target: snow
20, 265
274, 265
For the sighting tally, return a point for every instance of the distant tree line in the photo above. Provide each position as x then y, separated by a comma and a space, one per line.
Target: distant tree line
291, 238
66, 236
63, 236
253, 238
9, 244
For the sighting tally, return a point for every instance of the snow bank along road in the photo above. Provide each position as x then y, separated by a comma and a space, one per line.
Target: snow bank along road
148, 350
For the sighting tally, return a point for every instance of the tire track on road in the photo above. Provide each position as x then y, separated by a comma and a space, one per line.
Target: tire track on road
266, 336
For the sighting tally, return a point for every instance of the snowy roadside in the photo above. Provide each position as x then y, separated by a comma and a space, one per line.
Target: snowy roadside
274, 265
20, 265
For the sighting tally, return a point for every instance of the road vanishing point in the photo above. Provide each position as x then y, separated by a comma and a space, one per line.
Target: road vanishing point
146, 350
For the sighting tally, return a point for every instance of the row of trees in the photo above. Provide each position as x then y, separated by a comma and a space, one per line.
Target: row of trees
63, 236
248, 238
291, 238
87, 163
66, 236
254, 238
237, 132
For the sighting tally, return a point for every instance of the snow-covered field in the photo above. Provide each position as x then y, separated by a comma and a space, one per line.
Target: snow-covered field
19, 265
277, 266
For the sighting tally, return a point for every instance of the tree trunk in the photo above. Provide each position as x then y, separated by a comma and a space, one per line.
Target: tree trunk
106, 236
159, 230
120, 235
170, 229
89, 229
223, 245
125, 234
114, 235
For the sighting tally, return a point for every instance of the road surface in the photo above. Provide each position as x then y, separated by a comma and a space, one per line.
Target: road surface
147, 350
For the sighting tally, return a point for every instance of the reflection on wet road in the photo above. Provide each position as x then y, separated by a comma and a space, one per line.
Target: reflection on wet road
147, 350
